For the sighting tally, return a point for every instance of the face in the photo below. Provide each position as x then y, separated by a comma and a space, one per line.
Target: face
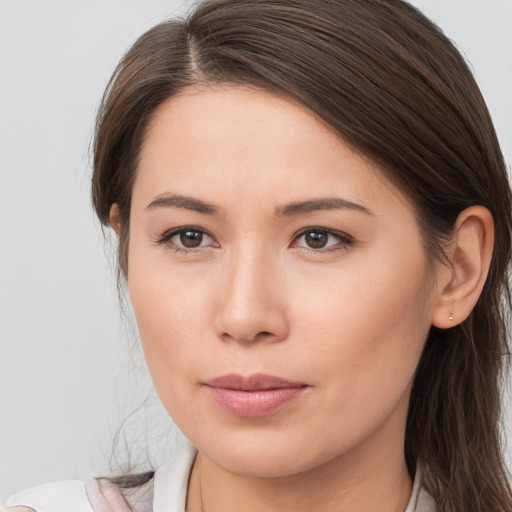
279, 284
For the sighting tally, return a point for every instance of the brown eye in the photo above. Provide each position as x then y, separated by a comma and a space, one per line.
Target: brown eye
316, 239
319, 239
191, 239
187, 239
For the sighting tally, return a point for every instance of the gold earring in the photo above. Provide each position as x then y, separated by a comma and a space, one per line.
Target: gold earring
451, 315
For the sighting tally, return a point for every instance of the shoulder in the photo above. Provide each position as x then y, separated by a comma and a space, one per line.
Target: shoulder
69, 496
166, 491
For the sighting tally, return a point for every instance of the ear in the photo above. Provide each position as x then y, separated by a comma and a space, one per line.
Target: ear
460, 284
115, 219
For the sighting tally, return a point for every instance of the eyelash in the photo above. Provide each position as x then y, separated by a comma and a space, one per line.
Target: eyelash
346, 240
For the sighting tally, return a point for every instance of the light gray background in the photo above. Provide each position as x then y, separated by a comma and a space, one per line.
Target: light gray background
68, 374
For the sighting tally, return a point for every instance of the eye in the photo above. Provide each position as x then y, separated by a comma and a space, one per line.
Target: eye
321, 238
187, 239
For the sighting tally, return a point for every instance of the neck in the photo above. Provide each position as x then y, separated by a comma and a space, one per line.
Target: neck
371, 477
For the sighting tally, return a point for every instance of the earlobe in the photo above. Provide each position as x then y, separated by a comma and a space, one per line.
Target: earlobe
461, 284
115, 219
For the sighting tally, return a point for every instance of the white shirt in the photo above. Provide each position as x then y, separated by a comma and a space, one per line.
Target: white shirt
167, 492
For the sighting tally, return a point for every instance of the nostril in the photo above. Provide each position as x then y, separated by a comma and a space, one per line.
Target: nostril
262, 335
249, 339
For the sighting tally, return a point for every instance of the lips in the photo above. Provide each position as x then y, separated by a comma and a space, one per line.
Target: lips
254, 396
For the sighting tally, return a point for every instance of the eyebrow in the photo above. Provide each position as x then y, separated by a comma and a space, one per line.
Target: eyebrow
288, 210
332, 203
188, 203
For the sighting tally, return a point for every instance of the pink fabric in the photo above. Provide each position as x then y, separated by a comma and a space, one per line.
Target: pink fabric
105, 496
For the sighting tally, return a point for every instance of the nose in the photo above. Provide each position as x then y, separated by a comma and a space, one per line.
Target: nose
252, 301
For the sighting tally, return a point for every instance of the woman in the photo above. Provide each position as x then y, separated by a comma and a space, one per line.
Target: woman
307, 196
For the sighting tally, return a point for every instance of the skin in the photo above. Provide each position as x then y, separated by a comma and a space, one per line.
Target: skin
349, 319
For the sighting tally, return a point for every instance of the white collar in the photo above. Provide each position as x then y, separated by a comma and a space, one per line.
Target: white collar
171, 481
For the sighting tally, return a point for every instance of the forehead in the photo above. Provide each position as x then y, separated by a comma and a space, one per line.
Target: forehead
224, 140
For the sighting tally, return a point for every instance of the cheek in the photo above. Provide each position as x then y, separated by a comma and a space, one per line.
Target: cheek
170, 311
169, 315
367, 326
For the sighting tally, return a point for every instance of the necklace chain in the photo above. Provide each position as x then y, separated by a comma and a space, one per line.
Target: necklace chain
200, 487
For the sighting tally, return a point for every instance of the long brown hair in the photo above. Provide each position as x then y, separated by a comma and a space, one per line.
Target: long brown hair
398, 91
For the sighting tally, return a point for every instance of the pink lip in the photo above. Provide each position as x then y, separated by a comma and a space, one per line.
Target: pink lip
253, 396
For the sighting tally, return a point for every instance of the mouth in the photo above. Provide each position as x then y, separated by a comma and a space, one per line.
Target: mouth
254, 396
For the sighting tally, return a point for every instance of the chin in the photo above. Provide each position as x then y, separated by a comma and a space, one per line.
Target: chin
255, 464
265, 455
